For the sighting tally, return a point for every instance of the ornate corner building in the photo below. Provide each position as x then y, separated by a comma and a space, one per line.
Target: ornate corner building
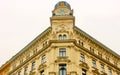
64, 49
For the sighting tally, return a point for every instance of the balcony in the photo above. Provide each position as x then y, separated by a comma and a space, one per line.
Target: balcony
62, 59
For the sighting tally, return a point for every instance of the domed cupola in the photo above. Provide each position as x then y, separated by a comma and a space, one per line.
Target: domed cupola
62, 4
62, 8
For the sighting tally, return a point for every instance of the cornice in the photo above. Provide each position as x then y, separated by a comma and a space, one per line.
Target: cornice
96, 42
95, 55
30, 44
4, 66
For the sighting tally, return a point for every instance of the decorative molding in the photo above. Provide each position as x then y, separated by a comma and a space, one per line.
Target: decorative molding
42, 66
95, 71
73, 73
52, 73
84, 65
103, 73
32, 72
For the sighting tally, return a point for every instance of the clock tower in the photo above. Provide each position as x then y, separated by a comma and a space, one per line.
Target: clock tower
62, 20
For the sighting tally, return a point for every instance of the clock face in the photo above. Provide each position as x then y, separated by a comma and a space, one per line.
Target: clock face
62, 12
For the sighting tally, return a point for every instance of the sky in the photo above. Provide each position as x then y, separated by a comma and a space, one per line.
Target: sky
23, 20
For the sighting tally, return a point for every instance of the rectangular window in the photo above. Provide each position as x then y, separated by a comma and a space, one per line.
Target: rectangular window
102, 68
43, 59
42, 72
33, 66
25, 70
62, 69
94, 63
82, 58
62, 52
110, 71
19, 73
83, 72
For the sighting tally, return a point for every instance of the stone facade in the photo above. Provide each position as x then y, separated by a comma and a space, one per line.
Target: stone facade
5, 69
64, 49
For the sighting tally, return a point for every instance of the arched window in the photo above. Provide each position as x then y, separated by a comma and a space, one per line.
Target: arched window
64, 37
60, 37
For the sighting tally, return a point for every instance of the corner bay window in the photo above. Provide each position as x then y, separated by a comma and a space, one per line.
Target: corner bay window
62, 69
62, 52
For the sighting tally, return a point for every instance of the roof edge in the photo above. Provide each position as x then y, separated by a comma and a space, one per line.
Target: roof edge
98, 43
28, 45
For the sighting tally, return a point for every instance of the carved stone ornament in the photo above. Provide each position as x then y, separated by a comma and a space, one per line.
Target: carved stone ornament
42, 66
84, 65
95, 71
32, 72
103, 73
52, 73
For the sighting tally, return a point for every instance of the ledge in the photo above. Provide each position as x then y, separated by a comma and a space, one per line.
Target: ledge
62, 59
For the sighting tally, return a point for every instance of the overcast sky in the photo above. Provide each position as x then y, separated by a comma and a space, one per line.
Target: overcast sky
22, 20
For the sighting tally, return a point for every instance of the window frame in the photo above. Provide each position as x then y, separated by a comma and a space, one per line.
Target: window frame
33, 66
43, 59
62, 52
82, 57
62, 69
94, 63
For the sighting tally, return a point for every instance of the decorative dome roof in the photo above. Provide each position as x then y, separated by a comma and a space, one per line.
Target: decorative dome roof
62, 3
